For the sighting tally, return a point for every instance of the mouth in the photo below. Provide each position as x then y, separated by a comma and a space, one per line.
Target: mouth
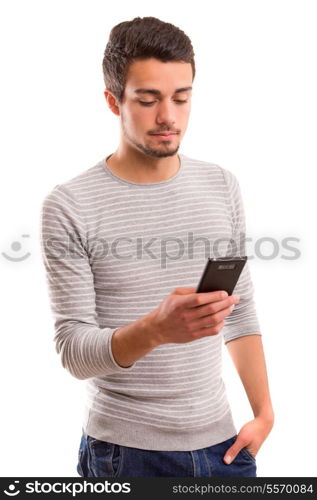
167, 136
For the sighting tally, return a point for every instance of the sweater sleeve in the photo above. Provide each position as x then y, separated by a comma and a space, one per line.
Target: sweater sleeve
85, 348
243, 320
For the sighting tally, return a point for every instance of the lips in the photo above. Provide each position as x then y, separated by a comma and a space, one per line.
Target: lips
165, 136
165, 133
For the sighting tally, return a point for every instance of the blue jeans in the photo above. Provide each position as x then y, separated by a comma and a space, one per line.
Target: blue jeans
102, 459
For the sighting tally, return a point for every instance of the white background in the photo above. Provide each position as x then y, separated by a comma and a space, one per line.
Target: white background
254, 111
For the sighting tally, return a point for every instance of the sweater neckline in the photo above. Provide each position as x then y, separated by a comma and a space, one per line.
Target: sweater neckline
144, 184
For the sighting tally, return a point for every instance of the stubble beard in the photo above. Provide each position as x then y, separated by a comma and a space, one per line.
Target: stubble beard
154, 153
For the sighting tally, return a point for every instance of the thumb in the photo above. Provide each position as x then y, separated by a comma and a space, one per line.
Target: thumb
184, 290
233, 451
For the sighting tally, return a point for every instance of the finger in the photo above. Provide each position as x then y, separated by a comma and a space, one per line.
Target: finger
212, 319
215, 307
184, 290
206, 331
198, 299
233, 451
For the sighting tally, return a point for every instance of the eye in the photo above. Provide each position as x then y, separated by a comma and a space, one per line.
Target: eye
149, 103
144, 103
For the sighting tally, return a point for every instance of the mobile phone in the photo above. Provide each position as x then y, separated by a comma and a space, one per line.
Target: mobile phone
221, 274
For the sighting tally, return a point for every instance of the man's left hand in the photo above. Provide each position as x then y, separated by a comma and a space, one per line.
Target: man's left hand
251, 436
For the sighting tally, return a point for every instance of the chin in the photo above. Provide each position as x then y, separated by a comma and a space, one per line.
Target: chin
161, 152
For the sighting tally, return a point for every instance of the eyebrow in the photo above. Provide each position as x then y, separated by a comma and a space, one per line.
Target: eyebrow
157, 92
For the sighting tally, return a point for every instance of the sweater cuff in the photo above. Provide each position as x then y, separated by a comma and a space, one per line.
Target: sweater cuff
115, 365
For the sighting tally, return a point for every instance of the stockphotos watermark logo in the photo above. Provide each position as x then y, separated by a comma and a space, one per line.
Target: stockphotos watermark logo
169, 248
12, 490
17, 254
163, 249
73, 488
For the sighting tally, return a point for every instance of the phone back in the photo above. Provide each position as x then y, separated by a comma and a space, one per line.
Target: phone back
221, 274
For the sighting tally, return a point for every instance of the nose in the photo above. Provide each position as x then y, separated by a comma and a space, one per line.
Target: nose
165, 113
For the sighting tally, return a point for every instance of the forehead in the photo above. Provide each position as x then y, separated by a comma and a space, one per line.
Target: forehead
163, 76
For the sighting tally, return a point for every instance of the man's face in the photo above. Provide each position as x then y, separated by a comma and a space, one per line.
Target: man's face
157, 98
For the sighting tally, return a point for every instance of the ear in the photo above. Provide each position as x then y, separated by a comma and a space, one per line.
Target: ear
112, 102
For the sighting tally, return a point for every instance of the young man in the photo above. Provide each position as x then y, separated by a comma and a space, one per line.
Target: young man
124, 245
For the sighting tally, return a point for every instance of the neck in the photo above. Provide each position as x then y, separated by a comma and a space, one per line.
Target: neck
138, 167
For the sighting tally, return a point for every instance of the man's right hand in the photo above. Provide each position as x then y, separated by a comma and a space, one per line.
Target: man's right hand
184, 315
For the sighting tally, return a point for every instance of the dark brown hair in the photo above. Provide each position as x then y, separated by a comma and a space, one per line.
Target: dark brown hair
142, 38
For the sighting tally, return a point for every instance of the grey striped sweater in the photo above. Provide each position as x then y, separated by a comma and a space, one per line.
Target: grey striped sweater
112, 250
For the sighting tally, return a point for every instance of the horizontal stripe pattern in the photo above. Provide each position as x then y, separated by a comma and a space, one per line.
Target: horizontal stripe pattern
112, 250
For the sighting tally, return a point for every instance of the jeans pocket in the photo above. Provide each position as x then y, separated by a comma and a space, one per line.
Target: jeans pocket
105, 458
248, 454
